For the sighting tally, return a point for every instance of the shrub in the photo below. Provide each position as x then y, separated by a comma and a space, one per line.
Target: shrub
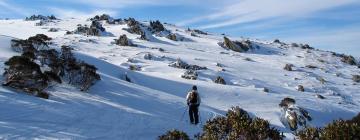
338, 129
309, 133
238, 125
23, 74
174, 135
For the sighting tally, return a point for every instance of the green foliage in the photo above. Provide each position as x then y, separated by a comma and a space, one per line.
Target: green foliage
338, 129
309, 133
238, 125
174, 135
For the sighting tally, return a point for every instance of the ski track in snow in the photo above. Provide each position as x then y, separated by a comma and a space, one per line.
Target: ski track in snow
155, 101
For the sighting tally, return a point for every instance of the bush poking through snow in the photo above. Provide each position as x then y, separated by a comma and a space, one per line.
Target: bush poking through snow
338, 129
288, 67
174, 135
123, 41
310, 133
220, 80
23, 74
301, 88
356, 78
190, 74
238, 125
134, 68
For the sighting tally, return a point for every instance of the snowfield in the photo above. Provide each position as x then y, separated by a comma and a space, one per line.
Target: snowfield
155, 100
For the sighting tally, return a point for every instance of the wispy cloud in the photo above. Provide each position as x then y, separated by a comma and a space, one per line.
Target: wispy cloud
15, 9
253, 10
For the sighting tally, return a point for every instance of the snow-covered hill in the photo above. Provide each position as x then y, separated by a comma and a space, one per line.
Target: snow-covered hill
155, 100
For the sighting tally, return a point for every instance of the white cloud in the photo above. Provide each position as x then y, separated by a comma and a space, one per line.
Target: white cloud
253, 10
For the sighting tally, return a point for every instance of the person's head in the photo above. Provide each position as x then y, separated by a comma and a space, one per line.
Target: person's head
194, 87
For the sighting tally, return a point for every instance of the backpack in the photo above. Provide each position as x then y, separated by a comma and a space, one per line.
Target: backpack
193, 97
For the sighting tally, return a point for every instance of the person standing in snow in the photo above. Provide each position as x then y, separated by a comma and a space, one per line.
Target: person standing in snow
193, 101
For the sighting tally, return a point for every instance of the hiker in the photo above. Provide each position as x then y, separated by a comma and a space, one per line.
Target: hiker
193, 101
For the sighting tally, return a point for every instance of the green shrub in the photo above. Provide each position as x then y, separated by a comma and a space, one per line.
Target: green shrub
338, 129
238, 125
174, 135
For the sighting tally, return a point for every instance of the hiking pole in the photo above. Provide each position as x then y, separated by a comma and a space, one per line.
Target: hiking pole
182, 117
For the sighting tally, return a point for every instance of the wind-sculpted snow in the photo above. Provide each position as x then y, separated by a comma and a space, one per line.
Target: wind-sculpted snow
154, 101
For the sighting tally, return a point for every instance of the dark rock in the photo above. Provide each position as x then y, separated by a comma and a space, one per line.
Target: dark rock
95, 29
348, 59
320, 96
266, 89
237, 46
220, 80
40, 17
287, 102
311, 66
101, 17
182, 65
53, 30
156, 26
123, 41
190, 74
172, 37
300, 88
356, 78
136, 29
288, 67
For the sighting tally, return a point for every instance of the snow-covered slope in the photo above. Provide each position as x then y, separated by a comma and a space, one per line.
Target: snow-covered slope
155, 100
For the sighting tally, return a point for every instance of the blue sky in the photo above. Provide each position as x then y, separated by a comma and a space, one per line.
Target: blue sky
326, 24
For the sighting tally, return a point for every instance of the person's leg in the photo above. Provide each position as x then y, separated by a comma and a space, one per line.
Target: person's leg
191, 114
196, 114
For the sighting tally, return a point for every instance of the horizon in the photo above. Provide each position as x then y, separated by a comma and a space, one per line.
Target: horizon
323, 24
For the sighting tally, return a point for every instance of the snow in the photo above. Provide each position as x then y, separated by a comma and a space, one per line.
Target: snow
155, 101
